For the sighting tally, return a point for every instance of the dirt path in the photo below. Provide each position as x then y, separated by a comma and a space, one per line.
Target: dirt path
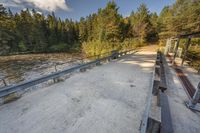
149, 48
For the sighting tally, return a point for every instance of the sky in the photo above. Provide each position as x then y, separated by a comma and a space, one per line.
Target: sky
75, 9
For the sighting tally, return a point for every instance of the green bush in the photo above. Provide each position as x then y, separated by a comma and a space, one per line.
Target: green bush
61, 47
93, 48
130, 44
22, 46
193, 56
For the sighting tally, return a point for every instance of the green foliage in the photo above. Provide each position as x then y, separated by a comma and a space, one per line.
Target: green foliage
100, 32
110, 31
22, 46
6, 31
31, 31
131, 44
193, 56
93, 48
61, 47
143, 24
179, 18
109, 23
106, 30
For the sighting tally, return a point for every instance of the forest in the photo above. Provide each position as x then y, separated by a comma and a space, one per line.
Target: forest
32, 32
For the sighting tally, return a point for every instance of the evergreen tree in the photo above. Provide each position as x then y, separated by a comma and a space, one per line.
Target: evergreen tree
31, 31
142, 26
7, 26
109, 23
83, 30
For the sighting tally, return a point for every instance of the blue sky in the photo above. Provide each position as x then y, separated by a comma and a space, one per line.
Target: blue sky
80, 8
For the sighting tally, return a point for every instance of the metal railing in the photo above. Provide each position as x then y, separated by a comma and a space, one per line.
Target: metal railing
158, 87
7, 90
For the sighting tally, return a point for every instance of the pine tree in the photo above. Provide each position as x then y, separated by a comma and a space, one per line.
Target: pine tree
142, 26
109, 23
83, 35
7, 26
40, 41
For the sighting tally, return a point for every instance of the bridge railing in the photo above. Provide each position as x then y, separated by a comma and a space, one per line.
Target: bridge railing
157, 115
11, 92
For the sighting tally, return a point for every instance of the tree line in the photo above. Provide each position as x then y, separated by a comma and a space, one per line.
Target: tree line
32, 32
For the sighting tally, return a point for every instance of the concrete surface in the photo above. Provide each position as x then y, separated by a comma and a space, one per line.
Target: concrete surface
190, 72
106, 99
184, 120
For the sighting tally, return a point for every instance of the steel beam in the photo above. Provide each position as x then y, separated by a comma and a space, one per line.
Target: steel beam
193, 104
185, 52
176, 49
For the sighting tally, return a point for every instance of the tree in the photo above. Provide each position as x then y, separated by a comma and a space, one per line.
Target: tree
7, 26
32, 31
40, 32
180, 18
83, 35
142, 26
109, 23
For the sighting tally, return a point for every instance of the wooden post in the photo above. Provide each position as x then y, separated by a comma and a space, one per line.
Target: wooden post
186, 49
175, 52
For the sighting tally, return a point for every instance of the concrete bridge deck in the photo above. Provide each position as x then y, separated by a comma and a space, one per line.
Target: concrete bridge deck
110, 98
184, 120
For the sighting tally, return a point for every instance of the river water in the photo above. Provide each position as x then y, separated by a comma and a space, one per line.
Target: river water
18, 68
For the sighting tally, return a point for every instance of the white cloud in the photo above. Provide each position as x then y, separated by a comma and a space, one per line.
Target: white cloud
48, 5
9, 4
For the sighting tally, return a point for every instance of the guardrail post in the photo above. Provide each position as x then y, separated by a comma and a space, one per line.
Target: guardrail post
58, 79
109, 59
114, 54
193, 104
98, 63
54, 79
55, 67
82, 69
4, 82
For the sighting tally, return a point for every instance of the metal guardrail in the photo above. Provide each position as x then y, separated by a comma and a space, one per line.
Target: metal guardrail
57, 64
166, 120
145, 118
5, 91
162, 122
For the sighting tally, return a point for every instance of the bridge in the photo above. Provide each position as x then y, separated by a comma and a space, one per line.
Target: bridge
131, 91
